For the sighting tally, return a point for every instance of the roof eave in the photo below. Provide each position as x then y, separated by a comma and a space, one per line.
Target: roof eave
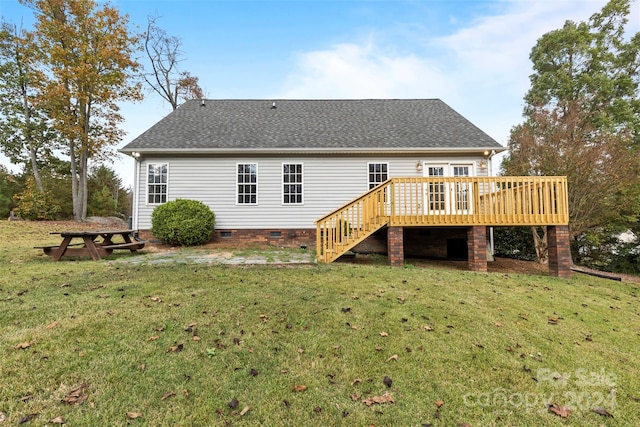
254, 151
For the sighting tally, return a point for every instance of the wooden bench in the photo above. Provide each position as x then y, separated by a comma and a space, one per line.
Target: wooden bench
132, 246
48, 250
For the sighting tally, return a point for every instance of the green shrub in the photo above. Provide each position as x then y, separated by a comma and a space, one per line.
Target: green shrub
183, 222
33, 204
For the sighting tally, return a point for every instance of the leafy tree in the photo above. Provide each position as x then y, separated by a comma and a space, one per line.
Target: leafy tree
107, 197
10, 185
165, 77
34, 204
582, 120
88, 52
25, 133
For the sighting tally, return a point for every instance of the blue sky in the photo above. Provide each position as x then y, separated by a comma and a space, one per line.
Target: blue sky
474, 55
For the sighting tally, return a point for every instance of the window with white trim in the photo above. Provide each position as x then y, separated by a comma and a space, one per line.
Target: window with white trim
247, 183
292, 183
157, 183
378, 173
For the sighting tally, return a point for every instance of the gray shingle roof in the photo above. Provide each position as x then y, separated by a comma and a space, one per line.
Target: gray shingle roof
373, 124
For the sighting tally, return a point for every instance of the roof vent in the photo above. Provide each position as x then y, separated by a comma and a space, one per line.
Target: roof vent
273, 106
203, 104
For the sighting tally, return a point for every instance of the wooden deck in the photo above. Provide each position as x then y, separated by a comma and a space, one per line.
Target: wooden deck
440, 201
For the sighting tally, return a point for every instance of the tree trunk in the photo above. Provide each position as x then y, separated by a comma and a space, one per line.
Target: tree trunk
84, 196
541, 244
74, 181
29, 135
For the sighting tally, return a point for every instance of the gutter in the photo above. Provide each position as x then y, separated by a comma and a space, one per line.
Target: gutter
245, 151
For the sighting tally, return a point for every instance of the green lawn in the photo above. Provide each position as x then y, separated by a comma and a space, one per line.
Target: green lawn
199, 345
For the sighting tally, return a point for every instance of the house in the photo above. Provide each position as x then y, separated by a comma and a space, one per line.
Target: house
273, 170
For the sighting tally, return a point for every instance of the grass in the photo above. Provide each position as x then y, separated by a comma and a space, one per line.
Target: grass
495, 348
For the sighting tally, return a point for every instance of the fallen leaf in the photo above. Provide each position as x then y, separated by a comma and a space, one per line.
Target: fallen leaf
356, 381
385, 398
384, 334
394, 357
428, 328
27, 418
153, 338
77, 395
26, 398
3, 417
498, 325
562, 411
387, 381
553, 320
133, 415
603, 412
156, 299
190, 326
346, 310
317, 409
355, 397
58, 420
176, 348
401, 300
53, 324
143, 367
168, 395
233, 404
439, 403
245, 410
299, 388
22, 346
196, 338
253, 372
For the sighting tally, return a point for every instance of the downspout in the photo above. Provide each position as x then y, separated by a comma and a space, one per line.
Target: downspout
136, 191
490, 173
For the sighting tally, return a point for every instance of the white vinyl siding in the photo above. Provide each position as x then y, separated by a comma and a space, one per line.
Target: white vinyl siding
329, 182
157, 183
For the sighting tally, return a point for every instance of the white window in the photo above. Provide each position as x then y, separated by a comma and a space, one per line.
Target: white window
292, 183
247, 183
378, 173
157, 183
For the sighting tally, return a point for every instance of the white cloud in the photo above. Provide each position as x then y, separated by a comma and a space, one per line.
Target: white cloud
364, 71
482, 70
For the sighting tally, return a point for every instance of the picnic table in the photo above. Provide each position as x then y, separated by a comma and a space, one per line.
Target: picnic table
92, 243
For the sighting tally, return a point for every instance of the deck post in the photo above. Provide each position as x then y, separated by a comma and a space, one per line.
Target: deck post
477, 248
559, 252
395, 246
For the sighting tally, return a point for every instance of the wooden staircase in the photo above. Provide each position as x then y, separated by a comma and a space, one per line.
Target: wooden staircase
345, 227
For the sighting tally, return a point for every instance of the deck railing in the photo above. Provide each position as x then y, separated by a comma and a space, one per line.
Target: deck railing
440, 201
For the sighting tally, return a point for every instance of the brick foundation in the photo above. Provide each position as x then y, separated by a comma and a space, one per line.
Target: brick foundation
395, 244
559, 252
284, 238
477, 248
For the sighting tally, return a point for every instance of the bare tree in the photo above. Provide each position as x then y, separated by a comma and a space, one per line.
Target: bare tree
165, 77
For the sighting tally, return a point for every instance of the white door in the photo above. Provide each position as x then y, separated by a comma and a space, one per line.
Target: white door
462, 191
435, 192
447, 198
